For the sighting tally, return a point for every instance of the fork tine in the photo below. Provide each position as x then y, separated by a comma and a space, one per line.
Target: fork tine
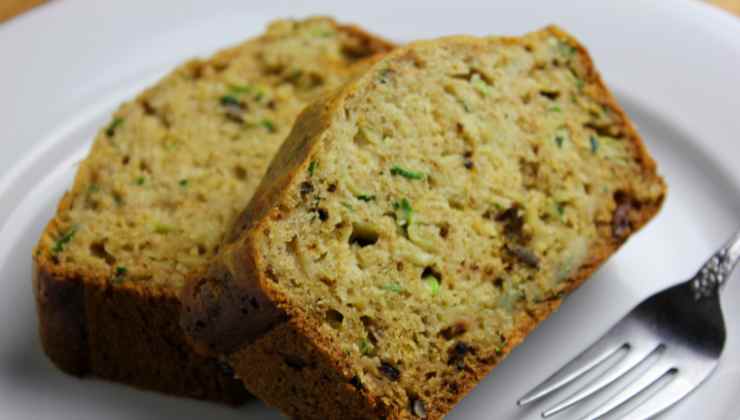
654, 374
634, 357
593, 356
668, 395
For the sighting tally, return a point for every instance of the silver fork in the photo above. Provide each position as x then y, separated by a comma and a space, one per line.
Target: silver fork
680, 328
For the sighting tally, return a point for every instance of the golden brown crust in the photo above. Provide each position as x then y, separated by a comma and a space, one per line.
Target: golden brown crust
366, 40
60, 305
310, 380
125, 336
220, 316
130, 333
305, 392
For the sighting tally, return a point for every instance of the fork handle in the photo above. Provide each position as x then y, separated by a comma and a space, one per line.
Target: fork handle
715, 272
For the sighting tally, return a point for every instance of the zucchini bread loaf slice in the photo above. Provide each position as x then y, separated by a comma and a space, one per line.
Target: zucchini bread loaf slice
416, 226
154, 198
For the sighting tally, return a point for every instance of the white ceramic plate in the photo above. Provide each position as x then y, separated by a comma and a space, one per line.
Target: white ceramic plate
675, 66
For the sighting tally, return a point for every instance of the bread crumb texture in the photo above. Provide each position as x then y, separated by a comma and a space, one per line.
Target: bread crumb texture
168, 174
458, 190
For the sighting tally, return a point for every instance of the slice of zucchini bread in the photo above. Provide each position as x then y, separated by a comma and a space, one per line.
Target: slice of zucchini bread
157, 193
416, 226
